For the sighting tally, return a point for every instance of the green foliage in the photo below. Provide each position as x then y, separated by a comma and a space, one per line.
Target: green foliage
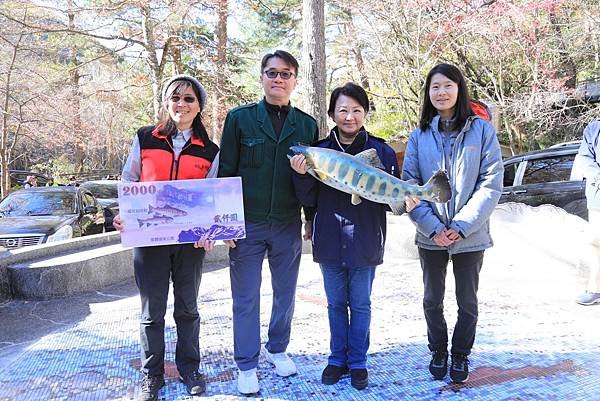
59, 168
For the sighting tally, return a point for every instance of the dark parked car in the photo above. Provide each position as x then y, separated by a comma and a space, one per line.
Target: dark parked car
47, 214
106, 192
547, 176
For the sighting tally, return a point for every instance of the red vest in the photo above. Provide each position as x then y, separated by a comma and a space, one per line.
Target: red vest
158, 157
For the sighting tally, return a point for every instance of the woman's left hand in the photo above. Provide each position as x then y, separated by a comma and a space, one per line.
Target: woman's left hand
207, 244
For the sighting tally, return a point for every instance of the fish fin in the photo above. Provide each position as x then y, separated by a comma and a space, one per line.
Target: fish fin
150, 209
355, 199
371, 158
439, 185
322, 174
398, 208
141, 223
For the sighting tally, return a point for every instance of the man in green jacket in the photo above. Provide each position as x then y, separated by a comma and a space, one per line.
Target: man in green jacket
255, 142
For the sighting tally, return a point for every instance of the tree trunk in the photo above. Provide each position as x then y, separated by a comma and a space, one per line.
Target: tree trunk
4, 146
220, 89
74, 77
313, 61
151, 58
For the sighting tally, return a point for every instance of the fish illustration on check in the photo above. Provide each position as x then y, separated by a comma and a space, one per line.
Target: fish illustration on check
166, 210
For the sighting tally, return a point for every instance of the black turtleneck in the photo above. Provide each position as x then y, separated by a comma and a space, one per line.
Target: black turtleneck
357, 144
277, 114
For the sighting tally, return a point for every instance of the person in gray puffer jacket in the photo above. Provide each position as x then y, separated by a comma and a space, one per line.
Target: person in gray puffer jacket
588, 160
450, 137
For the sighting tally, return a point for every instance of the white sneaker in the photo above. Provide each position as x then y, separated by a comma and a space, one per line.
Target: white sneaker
284, 366
247, 381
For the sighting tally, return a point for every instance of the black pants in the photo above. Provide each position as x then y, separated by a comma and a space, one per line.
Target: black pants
153, 267
466, 267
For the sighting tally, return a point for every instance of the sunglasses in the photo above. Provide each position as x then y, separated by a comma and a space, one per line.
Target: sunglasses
187, 99
272, 74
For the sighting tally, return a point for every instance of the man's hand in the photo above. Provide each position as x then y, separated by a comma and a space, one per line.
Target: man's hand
229, 242
298, 163
308, 229
207, 244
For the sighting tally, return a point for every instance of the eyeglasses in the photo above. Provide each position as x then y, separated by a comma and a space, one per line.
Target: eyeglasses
187, 99
272, 74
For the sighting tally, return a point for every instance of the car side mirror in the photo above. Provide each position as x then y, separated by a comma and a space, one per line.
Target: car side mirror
90, 210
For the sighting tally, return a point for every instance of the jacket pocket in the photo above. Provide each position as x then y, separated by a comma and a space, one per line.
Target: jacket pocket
252, 152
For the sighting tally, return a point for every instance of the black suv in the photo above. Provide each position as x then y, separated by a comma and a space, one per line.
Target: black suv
547, 176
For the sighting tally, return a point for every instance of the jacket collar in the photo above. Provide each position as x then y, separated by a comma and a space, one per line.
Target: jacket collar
357, 145
262, 116
435, 123
156, 132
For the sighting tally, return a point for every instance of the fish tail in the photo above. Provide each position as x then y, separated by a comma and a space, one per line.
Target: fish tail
439, 186
150, 209
140, 222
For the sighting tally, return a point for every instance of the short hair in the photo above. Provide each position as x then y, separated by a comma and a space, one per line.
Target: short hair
282, 54
463, 109
352, 90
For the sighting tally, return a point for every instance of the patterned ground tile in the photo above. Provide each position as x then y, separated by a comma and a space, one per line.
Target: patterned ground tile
533, 341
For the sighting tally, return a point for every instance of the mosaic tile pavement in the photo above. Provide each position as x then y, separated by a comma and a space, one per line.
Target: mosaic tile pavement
533, 341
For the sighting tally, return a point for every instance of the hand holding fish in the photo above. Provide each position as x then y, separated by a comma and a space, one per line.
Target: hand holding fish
298, 163
118, 223
411, 202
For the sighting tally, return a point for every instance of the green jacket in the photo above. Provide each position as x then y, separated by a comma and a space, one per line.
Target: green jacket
250, 149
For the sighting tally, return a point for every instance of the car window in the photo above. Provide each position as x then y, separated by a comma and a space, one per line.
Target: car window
548, 169
510, 170
102, 191
35, 203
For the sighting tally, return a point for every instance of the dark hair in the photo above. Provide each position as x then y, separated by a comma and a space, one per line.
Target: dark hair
462, 110
352, 90
167, 125
282, 54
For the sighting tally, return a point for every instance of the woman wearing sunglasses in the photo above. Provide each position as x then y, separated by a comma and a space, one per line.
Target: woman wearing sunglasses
177, 148
451, 137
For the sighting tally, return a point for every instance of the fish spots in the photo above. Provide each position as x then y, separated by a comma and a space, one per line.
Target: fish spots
343, 171
331, 165
395, 192
370, 183
356, 177
382, 188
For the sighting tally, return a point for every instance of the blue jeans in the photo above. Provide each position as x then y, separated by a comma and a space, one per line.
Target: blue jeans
348, 289
282, 244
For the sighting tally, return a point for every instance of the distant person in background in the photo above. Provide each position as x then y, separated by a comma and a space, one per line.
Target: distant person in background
451, 137
51, 182
30, 181
73, 181
177, 148
588, 161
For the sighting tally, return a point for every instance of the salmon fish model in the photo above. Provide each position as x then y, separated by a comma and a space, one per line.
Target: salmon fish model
362, 177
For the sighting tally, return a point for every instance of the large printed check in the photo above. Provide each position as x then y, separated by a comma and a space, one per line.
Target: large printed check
182, 211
